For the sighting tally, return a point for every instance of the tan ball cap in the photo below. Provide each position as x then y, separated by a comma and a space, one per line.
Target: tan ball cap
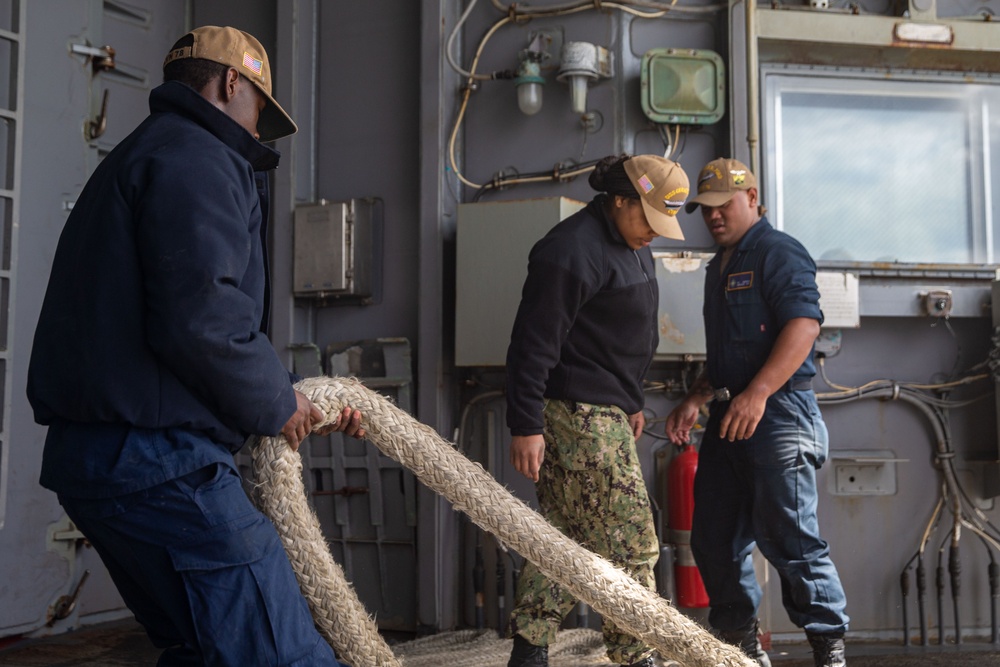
662, 186
719, 180
241, 50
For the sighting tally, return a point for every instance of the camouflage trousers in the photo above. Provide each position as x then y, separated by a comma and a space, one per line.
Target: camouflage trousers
591, 488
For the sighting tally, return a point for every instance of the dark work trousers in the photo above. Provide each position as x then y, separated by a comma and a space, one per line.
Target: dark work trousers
762, 491
204, 572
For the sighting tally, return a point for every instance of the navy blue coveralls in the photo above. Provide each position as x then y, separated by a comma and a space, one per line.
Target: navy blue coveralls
762, 490
150, 368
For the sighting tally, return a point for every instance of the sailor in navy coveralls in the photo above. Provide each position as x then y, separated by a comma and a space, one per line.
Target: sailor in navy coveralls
765, 437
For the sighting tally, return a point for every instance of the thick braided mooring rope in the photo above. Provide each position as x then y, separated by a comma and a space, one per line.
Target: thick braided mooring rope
341, 617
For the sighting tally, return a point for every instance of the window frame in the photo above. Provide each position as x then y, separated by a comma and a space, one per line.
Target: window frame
779, 79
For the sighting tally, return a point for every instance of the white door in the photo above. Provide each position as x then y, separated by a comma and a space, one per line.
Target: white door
54, 77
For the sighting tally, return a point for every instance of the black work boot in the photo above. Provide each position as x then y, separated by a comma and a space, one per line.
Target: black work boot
526, 654
645, 662
828, 650
748, 642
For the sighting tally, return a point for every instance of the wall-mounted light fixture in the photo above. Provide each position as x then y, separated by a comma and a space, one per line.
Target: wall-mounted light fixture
581, 64
685, 86
529, 80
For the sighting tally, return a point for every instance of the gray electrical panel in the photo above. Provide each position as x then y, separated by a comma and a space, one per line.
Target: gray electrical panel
493, 241
333, 250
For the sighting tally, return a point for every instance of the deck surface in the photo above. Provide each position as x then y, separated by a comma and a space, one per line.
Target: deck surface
124, 644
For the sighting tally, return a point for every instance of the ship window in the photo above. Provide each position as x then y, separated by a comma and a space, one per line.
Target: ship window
874, 170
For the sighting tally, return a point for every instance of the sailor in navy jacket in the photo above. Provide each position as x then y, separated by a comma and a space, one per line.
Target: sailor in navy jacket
151, 367
152, 321
582, 277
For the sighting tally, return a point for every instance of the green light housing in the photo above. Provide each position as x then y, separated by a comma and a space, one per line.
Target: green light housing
683, 86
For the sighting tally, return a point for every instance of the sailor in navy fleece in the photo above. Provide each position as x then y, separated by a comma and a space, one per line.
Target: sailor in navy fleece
582, 342
151, 366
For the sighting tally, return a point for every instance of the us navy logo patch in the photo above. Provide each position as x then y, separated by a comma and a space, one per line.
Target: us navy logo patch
739, 281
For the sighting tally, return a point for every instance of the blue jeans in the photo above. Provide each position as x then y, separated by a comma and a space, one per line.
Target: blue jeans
763, 491
204, 572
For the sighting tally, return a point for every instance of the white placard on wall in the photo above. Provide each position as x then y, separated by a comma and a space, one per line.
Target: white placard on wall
839, 299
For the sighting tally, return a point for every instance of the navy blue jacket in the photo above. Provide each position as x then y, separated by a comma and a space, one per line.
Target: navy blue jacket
586, 327
769, 279
154, 310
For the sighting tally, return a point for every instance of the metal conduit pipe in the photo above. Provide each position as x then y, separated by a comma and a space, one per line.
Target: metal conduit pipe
955, 572
921, 594
939, 585
753, 89
921, 572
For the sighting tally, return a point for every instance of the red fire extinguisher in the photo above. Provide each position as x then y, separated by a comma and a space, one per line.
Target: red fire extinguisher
680, 485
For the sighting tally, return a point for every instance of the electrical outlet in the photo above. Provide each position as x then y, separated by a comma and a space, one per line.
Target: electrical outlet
863, 480
862, 473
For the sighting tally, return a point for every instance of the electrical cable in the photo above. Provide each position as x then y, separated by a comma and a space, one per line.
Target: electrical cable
683, 145
958, 344
674, 7
452, 190
939, 585
499, 182
921, 574
634, 12
665, 138
987, 539
600, 4
451, 40
669, 143
931, 524
955, 576
978, 522
994, 578
953, 494
514, 13
465, 102
876, 383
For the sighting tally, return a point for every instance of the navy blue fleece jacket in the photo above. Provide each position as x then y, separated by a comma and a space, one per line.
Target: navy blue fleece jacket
157, 298
586, 327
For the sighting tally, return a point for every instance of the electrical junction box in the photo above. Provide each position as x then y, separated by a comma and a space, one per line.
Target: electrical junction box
334, 250
683, 86
493, 240
862, 472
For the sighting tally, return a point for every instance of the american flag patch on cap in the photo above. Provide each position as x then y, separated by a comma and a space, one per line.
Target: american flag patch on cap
645, 183
252, 63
